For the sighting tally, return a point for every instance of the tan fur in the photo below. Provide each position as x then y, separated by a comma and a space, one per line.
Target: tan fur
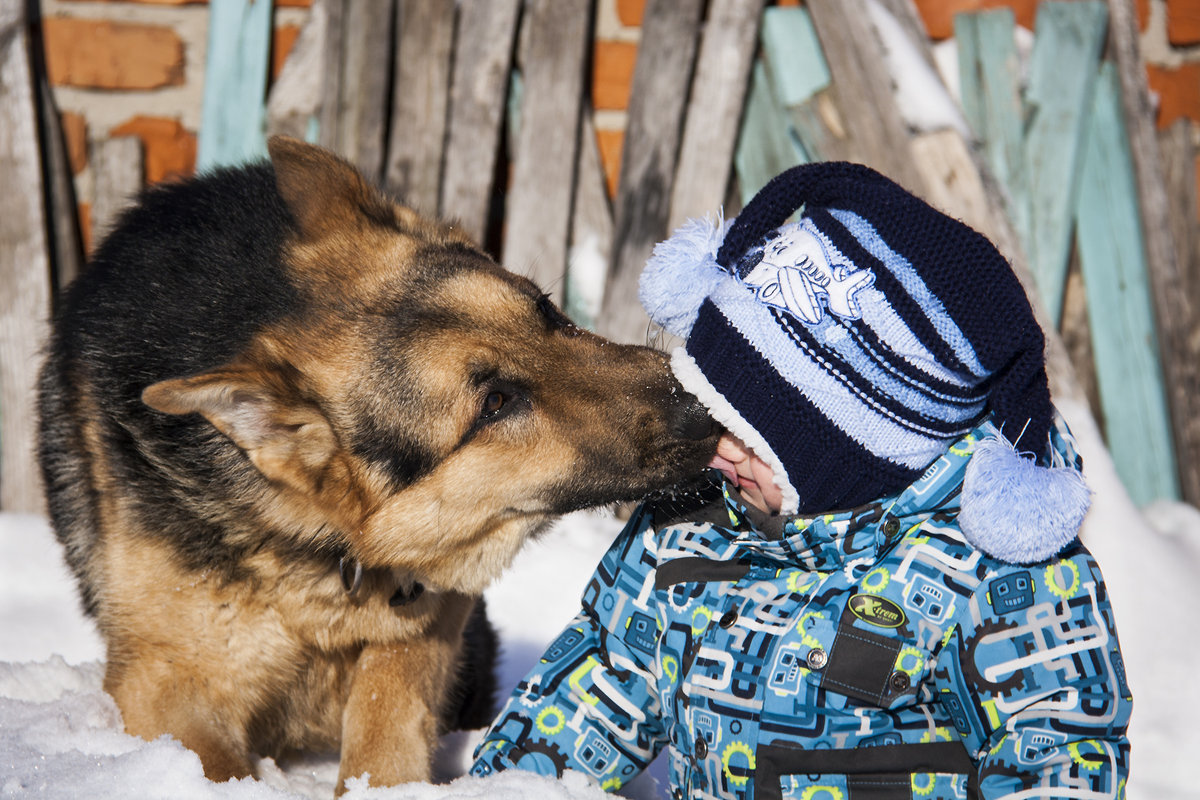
273, 654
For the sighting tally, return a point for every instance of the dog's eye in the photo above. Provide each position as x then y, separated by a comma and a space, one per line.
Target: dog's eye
493, 403
501, 400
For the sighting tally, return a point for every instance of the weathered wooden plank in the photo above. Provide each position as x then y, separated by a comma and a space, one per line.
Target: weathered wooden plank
365, 78
792, 55
1178, 154
484, 42
971, 73
953, 185
538, 218
591, 232
1178, 310
767, 145
867, 113
420, 99
1067, 45
66, 248
118, 174
333, 62
294, 102
233, 112
657, 106
24, 265
990, 87
1109, 238
719, 95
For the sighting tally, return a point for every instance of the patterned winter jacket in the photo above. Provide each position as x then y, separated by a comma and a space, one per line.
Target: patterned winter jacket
865, 654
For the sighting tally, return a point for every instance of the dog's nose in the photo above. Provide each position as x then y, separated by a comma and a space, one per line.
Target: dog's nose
692, 420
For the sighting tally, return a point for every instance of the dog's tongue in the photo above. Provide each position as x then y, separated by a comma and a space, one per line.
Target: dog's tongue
726, 467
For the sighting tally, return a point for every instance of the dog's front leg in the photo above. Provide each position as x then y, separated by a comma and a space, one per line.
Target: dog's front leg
391, 721
167, 696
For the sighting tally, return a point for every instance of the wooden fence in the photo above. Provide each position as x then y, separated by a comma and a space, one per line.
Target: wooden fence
478, 110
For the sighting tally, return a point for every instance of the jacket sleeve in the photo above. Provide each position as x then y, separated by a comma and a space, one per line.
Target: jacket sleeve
590, 703
1034, 682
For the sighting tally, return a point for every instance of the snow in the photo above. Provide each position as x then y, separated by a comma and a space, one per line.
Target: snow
587, 270
921, 95
61, 735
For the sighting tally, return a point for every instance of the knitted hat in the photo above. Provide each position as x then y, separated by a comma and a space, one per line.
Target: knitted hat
851, 348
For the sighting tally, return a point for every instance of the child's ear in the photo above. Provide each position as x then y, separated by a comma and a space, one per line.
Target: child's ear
289, 440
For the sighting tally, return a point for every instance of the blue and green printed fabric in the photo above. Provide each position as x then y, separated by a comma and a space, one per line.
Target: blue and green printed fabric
864, 654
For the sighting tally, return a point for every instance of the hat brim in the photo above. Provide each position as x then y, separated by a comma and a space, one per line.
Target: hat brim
688, 373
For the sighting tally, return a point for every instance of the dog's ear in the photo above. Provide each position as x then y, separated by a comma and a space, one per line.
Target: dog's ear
288, 439
324, 193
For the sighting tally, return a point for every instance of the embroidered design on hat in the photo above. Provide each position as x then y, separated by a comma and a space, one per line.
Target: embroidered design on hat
803, 274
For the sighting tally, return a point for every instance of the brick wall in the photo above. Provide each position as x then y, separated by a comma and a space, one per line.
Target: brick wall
136, 67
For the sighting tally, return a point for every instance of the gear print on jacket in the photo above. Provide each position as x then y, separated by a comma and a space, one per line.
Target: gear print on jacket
864, 654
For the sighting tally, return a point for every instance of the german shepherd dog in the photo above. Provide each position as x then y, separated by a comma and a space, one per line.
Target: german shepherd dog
290, 430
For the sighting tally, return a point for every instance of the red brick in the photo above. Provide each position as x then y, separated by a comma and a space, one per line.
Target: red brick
74, 128
166, 2
1178, 92
630, 12
611, 143
283, 39
170, 149
98, 54
938, 15
612, 73
1183, 22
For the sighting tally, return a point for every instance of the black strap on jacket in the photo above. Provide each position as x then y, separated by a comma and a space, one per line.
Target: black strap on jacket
882, 772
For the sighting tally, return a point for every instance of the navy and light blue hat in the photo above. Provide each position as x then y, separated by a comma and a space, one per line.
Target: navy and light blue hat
849, 349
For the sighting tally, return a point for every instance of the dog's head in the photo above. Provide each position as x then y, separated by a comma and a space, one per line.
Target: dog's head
425, 404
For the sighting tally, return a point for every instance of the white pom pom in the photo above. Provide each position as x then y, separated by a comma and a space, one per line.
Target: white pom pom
1016, 511
682, 271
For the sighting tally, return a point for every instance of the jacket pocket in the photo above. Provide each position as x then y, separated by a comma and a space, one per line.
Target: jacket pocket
878, 667
930, 771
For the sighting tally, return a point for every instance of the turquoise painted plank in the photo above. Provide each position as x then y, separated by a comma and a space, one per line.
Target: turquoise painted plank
790, 72
792, 54
1112, 255
766, 143
1068, 40
233, 114
990, 87
971, 75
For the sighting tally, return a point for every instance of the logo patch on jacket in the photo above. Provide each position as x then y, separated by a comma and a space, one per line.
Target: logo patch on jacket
877, 611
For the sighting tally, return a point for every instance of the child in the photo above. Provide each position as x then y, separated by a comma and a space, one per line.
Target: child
887, 598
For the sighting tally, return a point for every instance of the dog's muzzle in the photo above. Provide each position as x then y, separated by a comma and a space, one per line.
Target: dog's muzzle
691, 420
